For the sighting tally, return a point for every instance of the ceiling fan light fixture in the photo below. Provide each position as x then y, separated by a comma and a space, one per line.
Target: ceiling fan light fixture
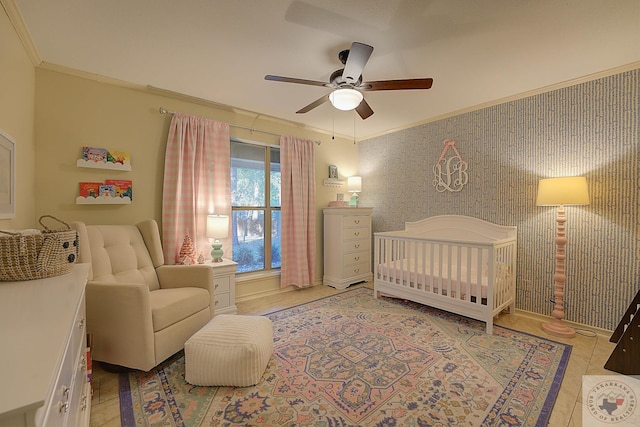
345, 99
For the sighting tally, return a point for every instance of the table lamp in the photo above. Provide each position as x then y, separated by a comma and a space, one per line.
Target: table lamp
217, 228
354, 186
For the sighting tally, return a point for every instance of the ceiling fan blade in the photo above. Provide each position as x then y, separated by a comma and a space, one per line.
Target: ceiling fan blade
364, 110
313, 105
294, 80
397, 84
358, 56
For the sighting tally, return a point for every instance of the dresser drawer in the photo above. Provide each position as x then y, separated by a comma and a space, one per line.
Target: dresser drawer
356, 221
356, 233
356, 245
79, 401
221, 300
356, 269
61, 403
356, 258
221, 284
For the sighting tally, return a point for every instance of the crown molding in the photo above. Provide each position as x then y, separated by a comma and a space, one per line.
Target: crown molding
16, 19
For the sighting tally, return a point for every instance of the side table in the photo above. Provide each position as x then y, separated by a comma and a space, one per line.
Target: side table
224, 285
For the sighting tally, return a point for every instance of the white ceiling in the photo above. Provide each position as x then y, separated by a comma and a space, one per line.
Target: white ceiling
477, 51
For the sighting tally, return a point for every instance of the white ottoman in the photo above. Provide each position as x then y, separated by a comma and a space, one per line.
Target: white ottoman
230, 350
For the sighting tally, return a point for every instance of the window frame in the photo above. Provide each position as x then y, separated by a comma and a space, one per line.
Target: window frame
267, 208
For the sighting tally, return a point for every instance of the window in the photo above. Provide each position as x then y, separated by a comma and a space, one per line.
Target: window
255, 201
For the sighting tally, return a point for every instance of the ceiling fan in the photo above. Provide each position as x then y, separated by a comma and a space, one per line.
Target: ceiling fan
348, 85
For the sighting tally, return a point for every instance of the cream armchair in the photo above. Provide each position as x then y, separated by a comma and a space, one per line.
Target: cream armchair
139, 310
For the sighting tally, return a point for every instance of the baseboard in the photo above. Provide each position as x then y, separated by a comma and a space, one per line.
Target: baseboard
605, 333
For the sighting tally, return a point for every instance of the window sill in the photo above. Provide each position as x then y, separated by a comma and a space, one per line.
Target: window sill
252, 276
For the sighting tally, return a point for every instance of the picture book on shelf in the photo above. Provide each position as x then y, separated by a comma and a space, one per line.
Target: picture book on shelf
107, 190
102, 155
90, 189
123, 187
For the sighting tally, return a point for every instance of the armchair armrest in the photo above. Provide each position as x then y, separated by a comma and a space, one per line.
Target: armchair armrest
180, 276
119, 315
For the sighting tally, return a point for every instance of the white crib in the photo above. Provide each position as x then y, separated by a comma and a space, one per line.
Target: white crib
456, 263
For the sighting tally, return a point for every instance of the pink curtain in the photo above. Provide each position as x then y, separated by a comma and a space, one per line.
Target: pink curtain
196, 182
298, 212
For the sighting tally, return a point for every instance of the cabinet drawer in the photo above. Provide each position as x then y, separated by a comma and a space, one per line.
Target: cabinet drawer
356, 233
221, 300
356, 258
356, 246
356, 269
356, 221
221, 284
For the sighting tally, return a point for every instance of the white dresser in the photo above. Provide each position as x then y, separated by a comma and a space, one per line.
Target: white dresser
347, 246
43, 355
224, 286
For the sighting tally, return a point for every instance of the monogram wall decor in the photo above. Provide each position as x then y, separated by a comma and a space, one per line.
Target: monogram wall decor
450, 173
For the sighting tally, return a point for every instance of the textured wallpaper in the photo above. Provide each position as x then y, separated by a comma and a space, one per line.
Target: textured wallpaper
591, 129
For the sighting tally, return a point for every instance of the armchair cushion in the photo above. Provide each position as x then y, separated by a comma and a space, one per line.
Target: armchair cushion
169, 306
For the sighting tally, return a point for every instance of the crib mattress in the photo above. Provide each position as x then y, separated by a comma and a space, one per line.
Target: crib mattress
414, 275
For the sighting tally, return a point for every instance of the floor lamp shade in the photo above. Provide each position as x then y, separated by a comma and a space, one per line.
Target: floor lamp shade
217, 228
571, 190
559, 192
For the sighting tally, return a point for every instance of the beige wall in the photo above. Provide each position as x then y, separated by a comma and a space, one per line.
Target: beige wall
17, 87
73, 111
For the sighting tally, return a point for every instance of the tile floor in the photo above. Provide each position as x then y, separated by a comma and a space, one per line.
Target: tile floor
588, 357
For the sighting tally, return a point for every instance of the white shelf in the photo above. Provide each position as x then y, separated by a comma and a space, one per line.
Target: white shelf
333, 182
102, 200
81, 163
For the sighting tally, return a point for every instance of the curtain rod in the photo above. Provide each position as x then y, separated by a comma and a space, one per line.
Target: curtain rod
165, 111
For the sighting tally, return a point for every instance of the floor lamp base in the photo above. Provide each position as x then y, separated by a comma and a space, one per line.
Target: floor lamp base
558, 328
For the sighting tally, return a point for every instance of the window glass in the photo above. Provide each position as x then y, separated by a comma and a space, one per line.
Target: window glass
255, 180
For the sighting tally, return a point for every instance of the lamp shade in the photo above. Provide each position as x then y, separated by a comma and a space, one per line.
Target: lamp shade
345, 99
217, 226
570, 190
354, 184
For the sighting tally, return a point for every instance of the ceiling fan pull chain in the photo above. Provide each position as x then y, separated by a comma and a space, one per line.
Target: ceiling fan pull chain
333, 124
354, 129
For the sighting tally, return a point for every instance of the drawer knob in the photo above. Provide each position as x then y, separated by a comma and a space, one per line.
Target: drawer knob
81, 323
63, 407
356, 258
357, 233
65, 391
357, 221
357, 246
216, 286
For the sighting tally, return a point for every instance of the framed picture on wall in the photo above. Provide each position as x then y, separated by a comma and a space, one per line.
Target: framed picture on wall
333, 171
7, 176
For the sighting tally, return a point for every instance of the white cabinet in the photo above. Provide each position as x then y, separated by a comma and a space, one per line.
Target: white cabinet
347, 246
43, 358
224, 286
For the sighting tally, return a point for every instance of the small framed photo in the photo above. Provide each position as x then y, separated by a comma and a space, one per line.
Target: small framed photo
7, 177
333, 171
340, 197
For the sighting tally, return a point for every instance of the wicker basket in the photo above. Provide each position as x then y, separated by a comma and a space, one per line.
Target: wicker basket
36, 256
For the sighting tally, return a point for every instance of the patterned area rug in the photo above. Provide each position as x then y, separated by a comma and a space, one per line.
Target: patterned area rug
353, 360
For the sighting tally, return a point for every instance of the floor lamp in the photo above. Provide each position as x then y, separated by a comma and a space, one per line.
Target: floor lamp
560, 192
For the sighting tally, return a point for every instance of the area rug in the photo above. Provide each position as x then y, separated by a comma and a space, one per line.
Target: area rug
353, 360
